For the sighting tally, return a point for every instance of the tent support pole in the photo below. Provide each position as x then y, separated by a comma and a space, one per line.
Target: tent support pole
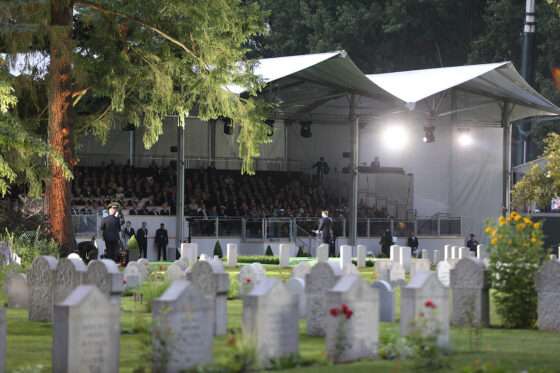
354, 122
180, 210
506, 189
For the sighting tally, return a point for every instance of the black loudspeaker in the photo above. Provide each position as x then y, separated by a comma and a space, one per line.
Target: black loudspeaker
228, 125
305, 130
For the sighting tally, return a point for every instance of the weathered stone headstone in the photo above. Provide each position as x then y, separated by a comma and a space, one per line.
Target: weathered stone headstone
394, 253
202, 257
213, 283
419, 265
284, 254
41, 282
143, 272
249, 276
443, 272
301, 270
182, 335
383, 269
176, 271
424, 254
447, 252
231, 255
131, 277
405, 257
296, 285
86, 333
436, 257
352, 327
17, 290
323, 253
321, 278
386, 301
268, 320
464, 252
3, 334
470, 285
454, 252
145, 262
425, 305
547, 281
397, 275
189, 252
105, 274
361, 252
345, 256
74, 256
70, 273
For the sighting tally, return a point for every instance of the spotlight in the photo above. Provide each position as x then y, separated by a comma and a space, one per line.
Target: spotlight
305, 130
429, 135
270, 124
465, 138
228, 125
395, 137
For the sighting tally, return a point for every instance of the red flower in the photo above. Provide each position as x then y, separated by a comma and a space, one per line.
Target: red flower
348, 314
334, 312
430, 304
345, 308
248, 280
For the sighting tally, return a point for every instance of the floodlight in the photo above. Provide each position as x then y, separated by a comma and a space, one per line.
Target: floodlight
429, 135
395, 137
465, 138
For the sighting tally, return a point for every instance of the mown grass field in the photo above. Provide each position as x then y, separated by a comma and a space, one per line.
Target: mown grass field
29, 343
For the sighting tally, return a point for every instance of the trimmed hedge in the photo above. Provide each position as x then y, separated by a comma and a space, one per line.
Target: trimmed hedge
258, 259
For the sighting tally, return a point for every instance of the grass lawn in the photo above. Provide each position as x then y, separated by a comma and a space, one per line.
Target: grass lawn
29, 343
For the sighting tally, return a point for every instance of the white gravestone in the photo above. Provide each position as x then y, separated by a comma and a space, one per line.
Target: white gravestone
41, 282
131, 277
17, 290
323, 253
249, 276
397, 275
296, 285
547, 281
74, 256
105, 274
70, 273
176, 271
189, 252
182, 335
424, 254
213, 283
470, 284
361, 253
86, 333
345, 256
481, 252
284, 254
416, 314
383, 269
443, 272
142, 270
353, 334
447, 254
454, 252
321, 278
301, 270
394, 253
405, 257
268, 319
436, 258
145, 262
419, 265
231, 254
386, 301
464, 252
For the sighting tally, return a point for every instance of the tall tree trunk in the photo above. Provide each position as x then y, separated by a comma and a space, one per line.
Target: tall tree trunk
60, 126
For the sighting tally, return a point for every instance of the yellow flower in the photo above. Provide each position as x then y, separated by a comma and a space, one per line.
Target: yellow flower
533, 240
527, 221
493, 241
501, 220
488, 230
510, 242
520, 227
537, 225
514, 215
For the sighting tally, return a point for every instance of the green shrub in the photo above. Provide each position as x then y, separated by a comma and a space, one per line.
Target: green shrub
369, 262
132, 244
30, 245
218, 249
258, 259
516, 249
269, 251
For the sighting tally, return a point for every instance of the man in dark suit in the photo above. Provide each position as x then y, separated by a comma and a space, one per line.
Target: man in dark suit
111, 229
161, 241
412, 242
472, 243
142, 238
326, 231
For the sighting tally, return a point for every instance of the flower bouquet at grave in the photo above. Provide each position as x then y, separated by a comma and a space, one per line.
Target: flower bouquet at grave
516, 250
343, 314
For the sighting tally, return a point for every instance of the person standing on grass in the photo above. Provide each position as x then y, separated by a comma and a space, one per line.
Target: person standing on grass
111, 230
161, 242
142, 237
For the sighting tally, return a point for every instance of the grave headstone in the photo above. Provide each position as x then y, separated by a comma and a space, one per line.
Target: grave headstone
481, 252
454, 252
345, 256
321, 278
131, 277
17, 290
268, 318
424, 254
41, 281
70, 273
189, 252
202, 257
383, 269
470, 285
419, 265
143, 272
296, 285
213, 283
323, 253
145, 262
352, 327
3, 335
231, 255
464, 252
394, 253
86, 333
105, 274
350, 269
397, 275
405, 257
301, 270
436, 257
176, 271
284, 254
74, 256
443, 272
547, 282
447, 254
425, 305
249, 276
361, 252
182, 335
386, 301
